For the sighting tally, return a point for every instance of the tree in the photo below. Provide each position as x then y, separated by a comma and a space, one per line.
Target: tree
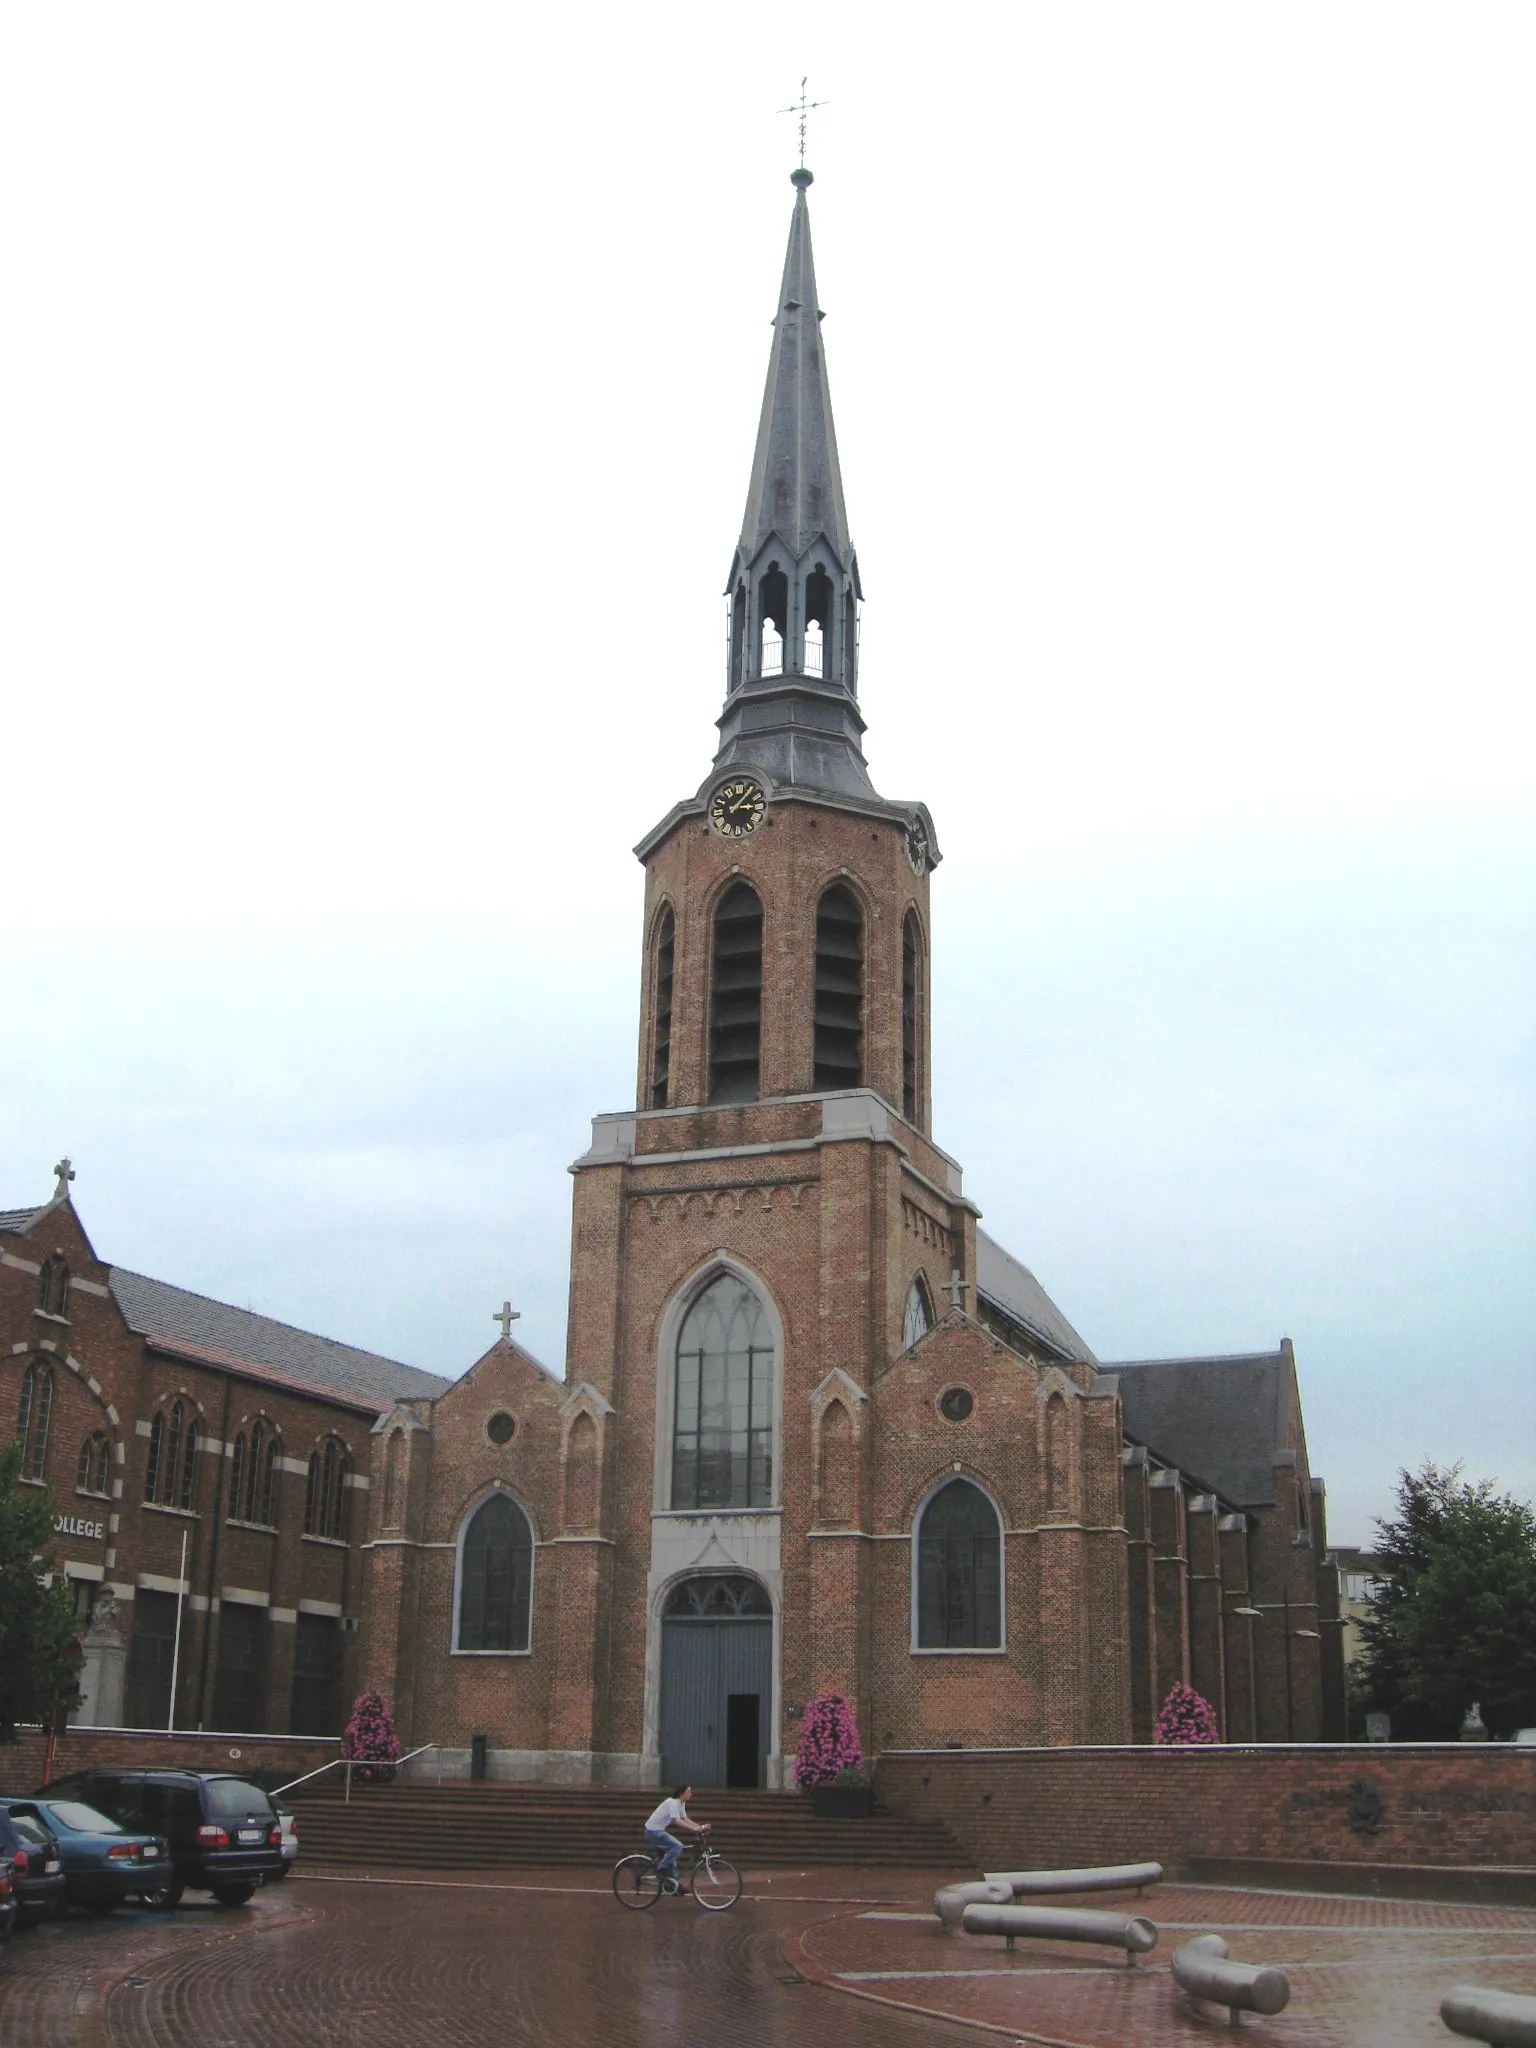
39, 1658
829, 1741
370, 1735
1185, 1718
1455, 1611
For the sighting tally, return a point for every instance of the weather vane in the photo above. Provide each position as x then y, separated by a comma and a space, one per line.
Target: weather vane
802, 107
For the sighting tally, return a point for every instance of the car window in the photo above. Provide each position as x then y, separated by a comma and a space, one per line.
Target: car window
170, 1802
85, 1820
232, 1798
30, 1831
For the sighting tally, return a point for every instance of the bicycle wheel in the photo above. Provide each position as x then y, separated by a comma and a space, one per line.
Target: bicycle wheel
635, 1883
715, 1883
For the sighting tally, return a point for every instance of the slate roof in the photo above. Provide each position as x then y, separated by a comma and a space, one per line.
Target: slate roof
1019, 1294
18, 1219
1217, 1419
192, 1326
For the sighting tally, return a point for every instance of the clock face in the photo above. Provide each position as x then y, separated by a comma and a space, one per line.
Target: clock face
737, 808
917, 846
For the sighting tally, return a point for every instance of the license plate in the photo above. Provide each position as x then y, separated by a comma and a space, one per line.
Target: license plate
50, 1870
250, 1834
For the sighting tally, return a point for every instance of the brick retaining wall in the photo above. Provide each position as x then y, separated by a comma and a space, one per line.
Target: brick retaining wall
84, 1749
1431, 1803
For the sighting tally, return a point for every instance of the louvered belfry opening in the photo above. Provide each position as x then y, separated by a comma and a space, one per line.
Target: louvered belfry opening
909, 1019
661, 1040
839, 1000
736, 1006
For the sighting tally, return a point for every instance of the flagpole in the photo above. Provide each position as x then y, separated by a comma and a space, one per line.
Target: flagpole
181, 1594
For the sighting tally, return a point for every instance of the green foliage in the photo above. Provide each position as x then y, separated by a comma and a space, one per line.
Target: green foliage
39, 1657
1455, 1618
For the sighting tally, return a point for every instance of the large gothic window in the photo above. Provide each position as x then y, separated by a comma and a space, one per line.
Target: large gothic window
325, 1492
496, 1578
911, 1028
839, 1000
917, 1318
736, 997
661, 1007
959, 1571
722, 1437
33, 1418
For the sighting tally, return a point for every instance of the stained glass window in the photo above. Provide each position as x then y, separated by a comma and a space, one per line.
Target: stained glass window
722, 1443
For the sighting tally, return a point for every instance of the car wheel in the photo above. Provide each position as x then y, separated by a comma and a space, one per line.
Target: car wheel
101, 1907
234, 1894
163, 1898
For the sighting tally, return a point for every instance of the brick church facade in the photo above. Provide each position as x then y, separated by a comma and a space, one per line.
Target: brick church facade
816, 1429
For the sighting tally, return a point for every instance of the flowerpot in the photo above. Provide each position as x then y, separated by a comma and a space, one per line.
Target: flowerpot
842, 1802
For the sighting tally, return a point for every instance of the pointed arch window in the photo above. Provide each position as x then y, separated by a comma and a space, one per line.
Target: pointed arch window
911, 1030
839, 997
92, 1464
736, 997
253, 1475
722, 1431
496, 1578
325, 1494
773, 611
53, 1285
33, 1418
661, 1000
391, 1515
959, 1571
818, 622
170, 1470
917, 1318
155, 1455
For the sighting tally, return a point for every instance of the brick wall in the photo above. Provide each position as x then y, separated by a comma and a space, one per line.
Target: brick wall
1439, 1803
85, 1749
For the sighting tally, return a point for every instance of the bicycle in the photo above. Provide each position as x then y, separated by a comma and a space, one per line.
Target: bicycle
714, 1881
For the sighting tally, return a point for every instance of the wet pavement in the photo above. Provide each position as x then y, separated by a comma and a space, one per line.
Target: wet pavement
445, 1962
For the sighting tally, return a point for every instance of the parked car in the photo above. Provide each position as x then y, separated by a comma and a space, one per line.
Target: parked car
290, 1841
7, 1901
103, 1863
224, 1836
37, 1869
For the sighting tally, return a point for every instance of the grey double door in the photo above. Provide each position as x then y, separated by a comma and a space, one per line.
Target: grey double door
716, 1695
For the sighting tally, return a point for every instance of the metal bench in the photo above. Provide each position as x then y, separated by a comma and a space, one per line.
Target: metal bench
1109, 1877
1505, 2018
951, 1900
1064, 1923
1201, 1968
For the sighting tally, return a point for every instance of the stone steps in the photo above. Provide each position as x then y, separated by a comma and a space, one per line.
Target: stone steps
413, 1825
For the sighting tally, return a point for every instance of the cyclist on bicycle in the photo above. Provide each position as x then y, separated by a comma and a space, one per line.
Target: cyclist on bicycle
672, 1813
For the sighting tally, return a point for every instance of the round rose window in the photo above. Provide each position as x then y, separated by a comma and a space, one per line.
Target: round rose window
501, 1428
956, 1404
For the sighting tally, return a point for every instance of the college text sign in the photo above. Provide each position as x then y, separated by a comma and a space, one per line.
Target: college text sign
71, 1525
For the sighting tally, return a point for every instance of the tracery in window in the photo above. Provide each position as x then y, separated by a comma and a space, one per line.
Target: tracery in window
253, 1475
33, 1418
661, 1034
736, 1003
496, 1578
170, 1469
839, 994
722, 1432
92, 1465
959, 1571
325, 1492
917, 1317
721, 1596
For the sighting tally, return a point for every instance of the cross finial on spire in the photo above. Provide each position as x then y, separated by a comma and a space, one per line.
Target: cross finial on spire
956, 1289
802, 107
66, 1174
507, 1315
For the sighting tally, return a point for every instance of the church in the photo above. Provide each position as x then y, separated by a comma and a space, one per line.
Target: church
816, 1429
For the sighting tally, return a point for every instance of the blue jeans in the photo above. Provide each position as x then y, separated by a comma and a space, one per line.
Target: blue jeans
670, 1847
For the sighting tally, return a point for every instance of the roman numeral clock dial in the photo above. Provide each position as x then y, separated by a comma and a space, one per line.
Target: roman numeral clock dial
737, 808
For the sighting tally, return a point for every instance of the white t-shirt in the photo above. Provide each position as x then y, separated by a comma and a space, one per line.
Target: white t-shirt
670, 1810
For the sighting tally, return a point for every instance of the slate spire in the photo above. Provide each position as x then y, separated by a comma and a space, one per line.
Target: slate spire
791, 707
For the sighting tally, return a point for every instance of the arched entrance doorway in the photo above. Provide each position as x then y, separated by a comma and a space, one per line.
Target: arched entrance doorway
716, 1681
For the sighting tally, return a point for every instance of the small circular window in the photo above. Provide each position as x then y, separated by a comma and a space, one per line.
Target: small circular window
956, 1403
501, 1428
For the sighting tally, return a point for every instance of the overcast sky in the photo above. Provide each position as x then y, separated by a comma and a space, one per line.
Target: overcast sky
379, 386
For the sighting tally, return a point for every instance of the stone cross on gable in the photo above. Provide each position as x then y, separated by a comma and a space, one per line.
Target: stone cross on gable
507, 1315
956, 1289
66, 1174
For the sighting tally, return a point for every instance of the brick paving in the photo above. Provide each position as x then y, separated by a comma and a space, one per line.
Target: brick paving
462, 1961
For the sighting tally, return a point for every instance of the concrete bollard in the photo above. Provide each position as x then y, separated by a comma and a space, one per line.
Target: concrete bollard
1505, 2018
1064, 1923
1110, 1877
1201, 1968
951, 1901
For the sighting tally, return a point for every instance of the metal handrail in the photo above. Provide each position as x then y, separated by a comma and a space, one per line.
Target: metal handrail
338, 1763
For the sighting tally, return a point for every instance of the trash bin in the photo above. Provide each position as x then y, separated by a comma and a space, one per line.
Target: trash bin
477, 1757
